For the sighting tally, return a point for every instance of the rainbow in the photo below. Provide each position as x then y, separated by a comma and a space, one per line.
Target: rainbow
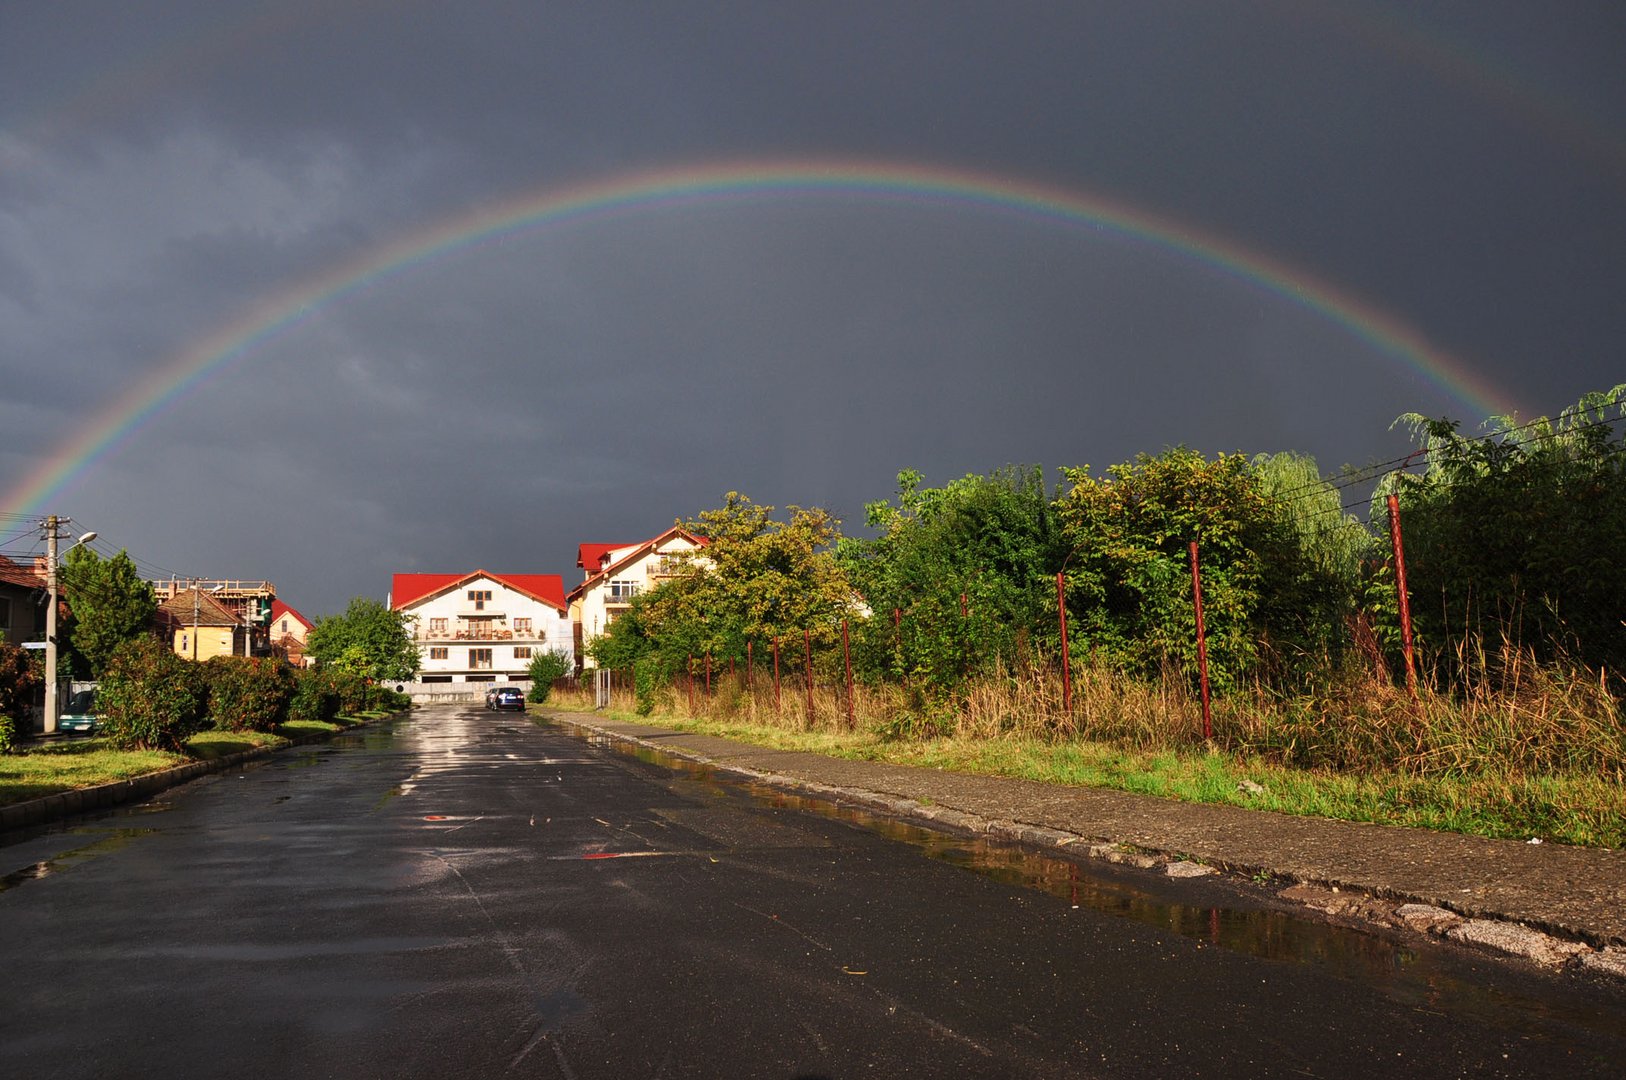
281, 314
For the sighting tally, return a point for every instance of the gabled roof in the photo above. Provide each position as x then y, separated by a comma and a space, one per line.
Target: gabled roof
590, 557
408, 589
279, 609
194, 607
634, 555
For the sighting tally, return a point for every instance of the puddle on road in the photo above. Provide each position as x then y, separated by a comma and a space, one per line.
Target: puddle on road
109, 842
1435, 979
380, 737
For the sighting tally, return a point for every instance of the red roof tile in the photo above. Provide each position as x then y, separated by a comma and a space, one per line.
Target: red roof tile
407, 589
279, 609
590, 557
17, 574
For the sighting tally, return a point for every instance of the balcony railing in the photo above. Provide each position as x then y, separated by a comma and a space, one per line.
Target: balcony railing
470, 635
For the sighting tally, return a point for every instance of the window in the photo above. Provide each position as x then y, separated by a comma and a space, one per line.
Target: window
522, 626
438, 653
479, 658
5, 612
285, 626
522, 652
437, 626
479, 597
622, 592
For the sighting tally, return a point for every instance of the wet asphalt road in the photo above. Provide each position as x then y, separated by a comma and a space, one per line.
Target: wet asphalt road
464, 894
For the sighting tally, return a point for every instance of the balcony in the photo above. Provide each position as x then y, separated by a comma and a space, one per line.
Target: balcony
465, 633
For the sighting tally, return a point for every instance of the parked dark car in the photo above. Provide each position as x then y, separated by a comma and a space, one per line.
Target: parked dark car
79, 714
509, 697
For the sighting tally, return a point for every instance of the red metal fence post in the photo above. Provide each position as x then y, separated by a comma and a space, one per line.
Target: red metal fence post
776, 673
1400, 589
847, 658
807, 636
1202, 642
708, 675
691, 683
965, 637
1066, 662
748, 645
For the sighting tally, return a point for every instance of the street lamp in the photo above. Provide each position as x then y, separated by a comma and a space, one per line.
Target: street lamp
52, 524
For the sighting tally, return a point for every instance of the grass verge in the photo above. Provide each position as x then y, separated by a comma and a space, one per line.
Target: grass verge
1571, 809
48, 768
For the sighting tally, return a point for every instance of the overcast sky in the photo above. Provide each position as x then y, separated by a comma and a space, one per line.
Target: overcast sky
167, 168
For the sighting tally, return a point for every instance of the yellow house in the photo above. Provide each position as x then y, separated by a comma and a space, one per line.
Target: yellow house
199, 626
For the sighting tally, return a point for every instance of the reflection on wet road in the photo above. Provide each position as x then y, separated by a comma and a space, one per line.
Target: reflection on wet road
458, 894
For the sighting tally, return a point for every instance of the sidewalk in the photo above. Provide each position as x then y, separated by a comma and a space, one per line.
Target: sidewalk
1550, 903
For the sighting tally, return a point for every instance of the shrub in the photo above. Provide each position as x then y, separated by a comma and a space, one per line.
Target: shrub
646, 686
249, 693
8, 734
382, 697
152, 698
546, 667
314, 698
350, 689
19, 677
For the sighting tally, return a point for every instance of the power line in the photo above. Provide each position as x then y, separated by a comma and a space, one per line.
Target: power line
1339, 482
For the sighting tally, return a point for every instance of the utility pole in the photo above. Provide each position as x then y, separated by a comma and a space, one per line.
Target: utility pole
52, 524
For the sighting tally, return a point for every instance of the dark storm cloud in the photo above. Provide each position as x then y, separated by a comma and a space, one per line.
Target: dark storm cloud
166, 168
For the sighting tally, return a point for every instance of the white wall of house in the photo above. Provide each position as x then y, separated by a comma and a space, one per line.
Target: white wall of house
483, 631
601, 600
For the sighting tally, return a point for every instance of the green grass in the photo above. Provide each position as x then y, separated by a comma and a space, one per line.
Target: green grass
64, 766
1572, 809
46, 770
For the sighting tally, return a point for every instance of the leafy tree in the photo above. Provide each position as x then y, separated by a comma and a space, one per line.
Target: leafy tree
544, 668
994, 539
756, 577
1310, 594
1129, 572
369, 640
1520, 533
110, 604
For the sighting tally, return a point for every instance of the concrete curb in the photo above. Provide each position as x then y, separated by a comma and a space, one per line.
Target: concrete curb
64, 804
1495, 933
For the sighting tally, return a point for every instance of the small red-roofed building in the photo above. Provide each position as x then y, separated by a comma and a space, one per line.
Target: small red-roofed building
22, 602
483, 627
288, 632
615, 573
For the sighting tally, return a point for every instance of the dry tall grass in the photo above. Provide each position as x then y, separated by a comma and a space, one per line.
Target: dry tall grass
1505, 715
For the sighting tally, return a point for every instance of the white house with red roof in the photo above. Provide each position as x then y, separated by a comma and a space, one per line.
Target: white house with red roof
483, 627
615, 573
288, 632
